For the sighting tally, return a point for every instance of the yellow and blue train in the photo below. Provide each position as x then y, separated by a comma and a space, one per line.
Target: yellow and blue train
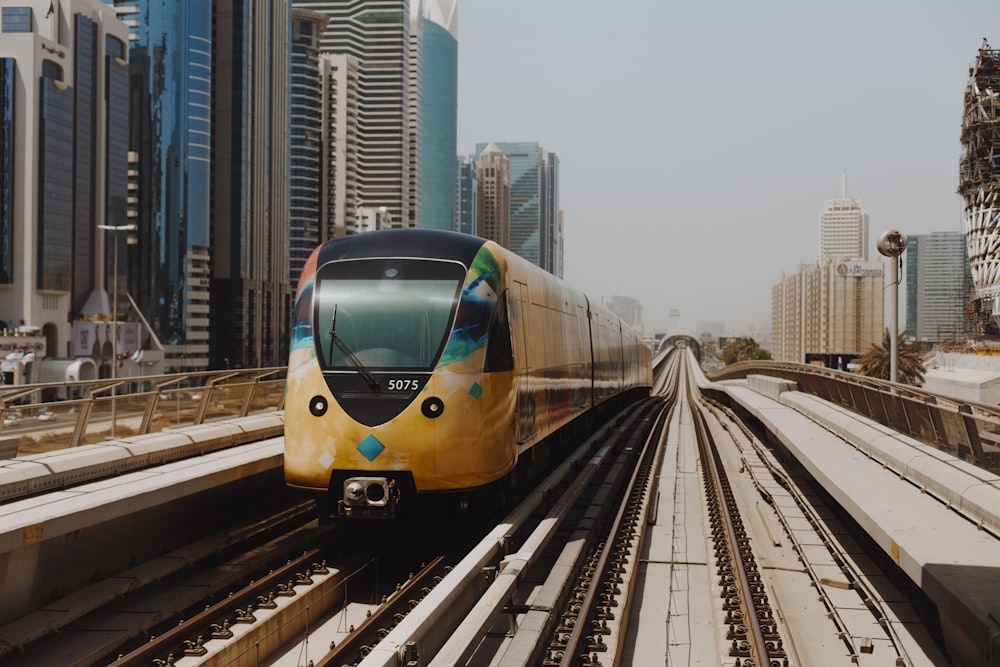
430, 362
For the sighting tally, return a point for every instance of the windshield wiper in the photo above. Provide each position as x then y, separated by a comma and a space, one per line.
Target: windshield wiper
349, 353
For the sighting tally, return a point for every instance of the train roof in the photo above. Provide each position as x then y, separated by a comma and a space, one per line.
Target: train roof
415, 242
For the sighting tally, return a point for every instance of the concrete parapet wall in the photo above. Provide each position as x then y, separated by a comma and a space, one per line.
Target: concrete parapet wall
971, 490
771, 387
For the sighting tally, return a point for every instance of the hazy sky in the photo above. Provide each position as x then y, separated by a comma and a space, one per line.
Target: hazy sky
698, 141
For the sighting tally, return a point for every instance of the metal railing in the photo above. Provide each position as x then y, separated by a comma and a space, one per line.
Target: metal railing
43, 417
967, 430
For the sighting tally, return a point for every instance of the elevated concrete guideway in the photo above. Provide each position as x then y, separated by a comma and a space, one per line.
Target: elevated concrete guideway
936, 516
681, 339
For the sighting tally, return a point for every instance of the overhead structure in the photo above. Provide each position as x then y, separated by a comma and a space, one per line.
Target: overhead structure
979, 176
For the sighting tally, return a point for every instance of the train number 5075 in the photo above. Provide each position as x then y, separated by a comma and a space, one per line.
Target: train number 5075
403, 384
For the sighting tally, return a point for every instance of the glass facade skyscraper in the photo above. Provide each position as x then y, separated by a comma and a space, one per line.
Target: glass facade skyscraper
306, 155
440, 114
171, 102
377, 34
465, 196
938, 286
250, 284
63, 115
534, 205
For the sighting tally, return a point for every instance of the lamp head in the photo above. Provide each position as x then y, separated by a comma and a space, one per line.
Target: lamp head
891, 243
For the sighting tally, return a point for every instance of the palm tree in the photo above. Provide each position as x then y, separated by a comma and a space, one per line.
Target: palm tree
743, 349
876, 362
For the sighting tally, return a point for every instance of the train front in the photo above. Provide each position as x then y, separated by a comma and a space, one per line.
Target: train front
390, 393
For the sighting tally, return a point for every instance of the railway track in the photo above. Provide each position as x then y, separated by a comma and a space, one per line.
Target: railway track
95, 624
577, 574
752, 626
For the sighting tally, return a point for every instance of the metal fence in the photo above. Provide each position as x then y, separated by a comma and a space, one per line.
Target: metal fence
969, 431
43, 417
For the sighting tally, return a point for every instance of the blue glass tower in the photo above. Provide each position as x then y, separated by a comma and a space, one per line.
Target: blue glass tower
440, 114
171, 102
938, 286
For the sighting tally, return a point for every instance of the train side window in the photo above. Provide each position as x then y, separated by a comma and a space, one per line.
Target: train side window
499, 353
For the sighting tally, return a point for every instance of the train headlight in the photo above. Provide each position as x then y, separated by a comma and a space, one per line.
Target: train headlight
366, 492
353, 492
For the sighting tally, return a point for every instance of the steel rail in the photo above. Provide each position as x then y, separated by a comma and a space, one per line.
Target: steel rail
163, 644
635, 489
718, 483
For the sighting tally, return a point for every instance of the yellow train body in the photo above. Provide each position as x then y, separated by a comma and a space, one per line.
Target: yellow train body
494, 356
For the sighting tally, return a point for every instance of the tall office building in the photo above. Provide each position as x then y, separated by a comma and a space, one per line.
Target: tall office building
340, 189
306, 154
552, 229
170, 109
250, 281
415, 111
466, 200
534, 192
843, 229
938, 286
377, 34
493, 195
979, 176
440, 114
63, 163
828, 313
628, 309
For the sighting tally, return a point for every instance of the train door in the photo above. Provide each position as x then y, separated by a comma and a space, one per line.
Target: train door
521, 312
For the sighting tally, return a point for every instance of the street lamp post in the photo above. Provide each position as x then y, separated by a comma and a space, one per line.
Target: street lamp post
892, 244
114, 322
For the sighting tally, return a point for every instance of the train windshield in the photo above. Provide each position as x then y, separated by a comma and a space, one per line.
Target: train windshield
382, 314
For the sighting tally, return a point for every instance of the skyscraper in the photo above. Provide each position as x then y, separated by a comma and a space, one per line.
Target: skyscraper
340, 190
250, 281
63, 162
552, 239
979, 176
440, 114
938, 286
534, 195
170, 108
843, 229
493, 195
306, 155
466, 199
377, 34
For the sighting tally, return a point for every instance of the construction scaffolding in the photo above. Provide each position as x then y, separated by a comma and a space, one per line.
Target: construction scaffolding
979, 176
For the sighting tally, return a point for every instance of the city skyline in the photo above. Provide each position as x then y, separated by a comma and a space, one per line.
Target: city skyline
710, 141
217, 210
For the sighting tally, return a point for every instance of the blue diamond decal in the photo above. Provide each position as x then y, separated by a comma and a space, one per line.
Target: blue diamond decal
370, 447
475, 391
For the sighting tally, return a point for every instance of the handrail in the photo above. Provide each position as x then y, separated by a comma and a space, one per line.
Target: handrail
966, 429
86, 398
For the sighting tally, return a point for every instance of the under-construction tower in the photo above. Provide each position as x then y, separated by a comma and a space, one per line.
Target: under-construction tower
979, 177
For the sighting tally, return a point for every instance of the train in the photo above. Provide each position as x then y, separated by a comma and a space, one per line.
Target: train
434, 363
